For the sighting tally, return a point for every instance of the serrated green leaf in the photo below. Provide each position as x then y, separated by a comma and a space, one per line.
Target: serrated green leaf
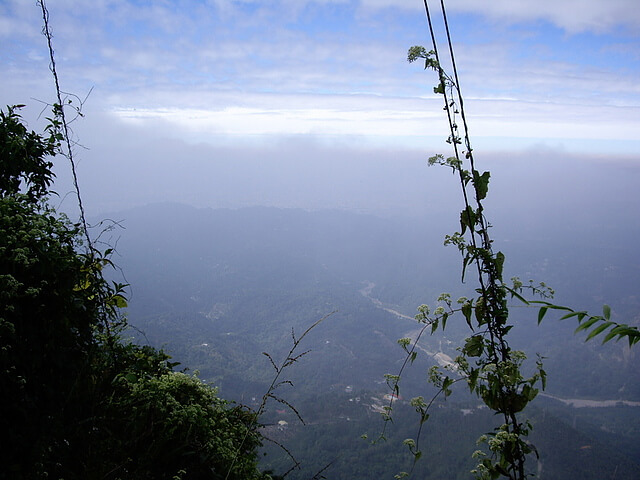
468, 218
473, 346
481, 184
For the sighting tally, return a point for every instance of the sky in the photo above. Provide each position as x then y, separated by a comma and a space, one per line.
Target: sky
312, 104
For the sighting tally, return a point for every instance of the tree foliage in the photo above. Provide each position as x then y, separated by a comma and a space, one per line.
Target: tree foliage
24, 156
77, 400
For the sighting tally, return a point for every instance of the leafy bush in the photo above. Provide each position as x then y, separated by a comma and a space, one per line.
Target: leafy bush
77, 401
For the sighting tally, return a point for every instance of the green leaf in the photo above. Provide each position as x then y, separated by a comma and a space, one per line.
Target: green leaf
598, 330
473, 346
518, 296
543, 378
569, 315
120, 301
434, 326
465, 261
468, 218
445, 316
612, 334
472, 379
587, 324
481, 311
606, 311
446, 383
541, 314
499, 263
531, 392
467, 311
481, 184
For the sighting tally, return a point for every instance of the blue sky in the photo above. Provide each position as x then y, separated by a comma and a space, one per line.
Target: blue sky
561, 76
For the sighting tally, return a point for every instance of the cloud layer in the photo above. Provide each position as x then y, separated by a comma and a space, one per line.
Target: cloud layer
332, 67
332, 74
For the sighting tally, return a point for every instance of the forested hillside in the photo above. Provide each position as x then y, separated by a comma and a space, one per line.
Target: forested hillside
222, 286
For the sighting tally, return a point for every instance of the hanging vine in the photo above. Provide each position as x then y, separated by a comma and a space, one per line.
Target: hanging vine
486, 363
60, 121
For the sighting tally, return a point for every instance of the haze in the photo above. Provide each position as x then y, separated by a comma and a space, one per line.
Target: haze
312, 104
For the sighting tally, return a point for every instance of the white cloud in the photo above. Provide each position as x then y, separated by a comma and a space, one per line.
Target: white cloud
571, 15
392, 121
202, 70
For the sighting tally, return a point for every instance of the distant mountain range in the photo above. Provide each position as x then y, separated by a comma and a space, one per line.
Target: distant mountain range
218, 288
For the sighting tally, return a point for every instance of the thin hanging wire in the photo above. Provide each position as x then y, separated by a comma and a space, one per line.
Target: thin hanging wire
458, 88
486, 241
467, 141
452, 125
46, 31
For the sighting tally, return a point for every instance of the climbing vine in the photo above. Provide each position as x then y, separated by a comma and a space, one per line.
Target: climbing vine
486, 362
488, 365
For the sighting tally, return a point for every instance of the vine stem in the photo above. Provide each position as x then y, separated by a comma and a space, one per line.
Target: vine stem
59, 110
494, 308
